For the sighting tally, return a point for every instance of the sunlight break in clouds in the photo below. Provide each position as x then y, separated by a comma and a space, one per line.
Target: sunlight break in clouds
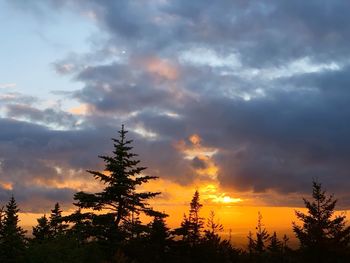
206, 170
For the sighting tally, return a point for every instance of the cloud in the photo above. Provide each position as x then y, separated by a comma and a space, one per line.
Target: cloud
46, 116
264, 84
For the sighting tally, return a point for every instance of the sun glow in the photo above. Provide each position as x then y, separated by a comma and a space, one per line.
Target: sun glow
225, 199
206, 170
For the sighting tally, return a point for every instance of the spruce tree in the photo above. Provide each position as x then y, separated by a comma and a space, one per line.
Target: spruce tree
12, 239
159, 239
196, 221
41, 231
214, 227
321, 233
275, 245
191, 226
81, 229
261, 236
57, 227
120, 198
159, 232
184, 229
257, 246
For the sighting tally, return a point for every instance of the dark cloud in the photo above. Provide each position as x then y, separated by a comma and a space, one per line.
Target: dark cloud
46, 116
264, 83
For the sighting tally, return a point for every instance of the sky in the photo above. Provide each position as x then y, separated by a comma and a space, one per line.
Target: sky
245, 101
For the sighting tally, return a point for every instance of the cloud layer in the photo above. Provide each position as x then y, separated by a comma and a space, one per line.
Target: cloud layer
265, 84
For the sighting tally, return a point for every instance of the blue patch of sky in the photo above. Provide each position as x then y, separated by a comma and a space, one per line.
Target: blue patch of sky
30, 45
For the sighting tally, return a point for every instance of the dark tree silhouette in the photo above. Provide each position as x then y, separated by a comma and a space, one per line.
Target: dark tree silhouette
120, 198
261, 236
213, 228
42, 231
159, 239
159, 232
196, 222
322, 234
12, 239
57, 226
257, 246
81, 229
191, 226
275, 245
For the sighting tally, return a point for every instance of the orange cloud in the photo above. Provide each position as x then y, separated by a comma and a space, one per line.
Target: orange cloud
195, 139
82, 109
207, 171
6, 185
162, 68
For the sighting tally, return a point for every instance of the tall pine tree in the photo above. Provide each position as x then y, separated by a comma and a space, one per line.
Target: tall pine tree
12, 239
192, 226
321, 233
120, 199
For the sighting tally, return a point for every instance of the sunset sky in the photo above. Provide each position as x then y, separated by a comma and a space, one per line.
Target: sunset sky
246, 101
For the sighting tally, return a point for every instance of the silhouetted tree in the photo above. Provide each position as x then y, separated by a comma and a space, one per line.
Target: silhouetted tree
275, 245
214, 227
159, 240
212, 247
184, 229
322, 235
57, 226
191, 226
120, 199
12, 239
257, 246
42, 231
261, 236
251, 244
196, 221
81, 228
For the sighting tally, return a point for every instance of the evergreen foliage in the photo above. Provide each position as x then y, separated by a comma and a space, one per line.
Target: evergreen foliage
110, 230
57, 226
119, 201
322, 235
12, 239
42, 231
192, 226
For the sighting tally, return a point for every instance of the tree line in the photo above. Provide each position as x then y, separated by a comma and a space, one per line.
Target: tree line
106, 227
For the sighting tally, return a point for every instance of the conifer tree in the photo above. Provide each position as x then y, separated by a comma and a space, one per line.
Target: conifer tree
12, 239
57, 227
191, 226
321, 231
257, 246
159, 239
275, 245
81, 228
196, 221
41, 231
121, 177
251, 243
214, 227
184, 229
159, 232
261, 236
